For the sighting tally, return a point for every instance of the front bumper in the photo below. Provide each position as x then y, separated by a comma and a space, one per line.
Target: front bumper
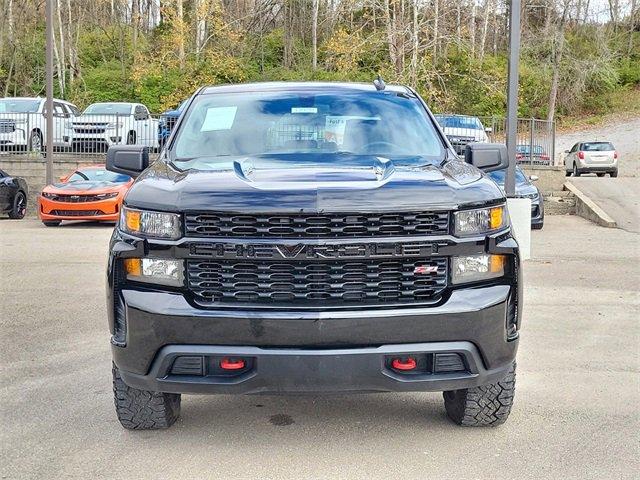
104, 210
336, 351
315, 371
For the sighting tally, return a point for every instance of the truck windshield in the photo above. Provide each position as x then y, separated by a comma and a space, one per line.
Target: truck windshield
459, 121
9, 105
305, 124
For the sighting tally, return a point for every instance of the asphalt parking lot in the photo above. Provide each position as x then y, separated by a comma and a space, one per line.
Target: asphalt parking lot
575, 414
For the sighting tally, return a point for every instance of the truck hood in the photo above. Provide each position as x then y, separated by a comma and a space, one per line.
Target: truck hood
347, 184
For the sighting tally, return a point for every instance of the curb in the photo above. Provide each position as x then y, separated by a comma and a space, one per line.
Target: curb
586, 208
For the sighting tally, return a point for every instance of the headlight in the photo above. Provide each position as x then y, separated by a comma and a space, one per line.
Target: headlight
102, 196
480, 221
49, 195
150, 224
155, 270
474, 268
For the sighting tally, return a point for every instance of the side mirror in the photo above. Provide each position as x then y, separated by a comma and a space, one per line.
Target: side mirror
128, 159
488, 130
487, 156
63, 179
534, 178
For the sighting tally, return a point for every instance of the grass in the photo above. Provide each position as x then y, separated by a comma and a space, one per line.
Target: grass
617, 105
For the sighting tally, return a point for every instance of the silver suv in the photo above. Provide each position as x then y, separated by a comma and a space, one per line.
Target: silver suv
591, 157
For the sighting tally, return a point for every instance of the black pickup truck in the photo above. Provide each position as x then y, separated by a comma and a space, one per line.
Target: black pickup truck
311, 238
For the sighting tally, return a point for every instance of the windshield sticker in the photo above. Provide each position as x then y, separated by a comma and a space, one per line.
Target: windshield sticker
335, 127
219, 118
304, 110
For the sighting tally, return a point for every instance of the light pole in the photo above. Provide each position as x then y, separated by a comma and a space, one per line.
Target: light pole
512, 95
49, 88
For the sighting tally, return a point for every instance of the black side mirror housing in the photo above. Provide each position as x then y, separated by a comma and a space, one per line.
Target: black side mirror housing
128, 159
487, 156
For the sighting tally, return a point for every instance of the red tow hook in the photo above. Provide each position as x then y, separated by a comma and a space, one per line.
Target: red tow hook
408, 364
231, 364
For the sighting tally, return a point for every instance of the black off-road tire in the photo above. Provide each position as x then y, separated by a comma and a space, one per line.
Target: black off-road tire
614, 174
142, 409
51, 223
484, 406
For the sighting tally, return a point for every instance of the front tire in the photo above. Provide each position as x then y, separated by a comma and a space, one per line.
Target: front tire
143, 409
614, 174
51, 223
484, 406
19, 206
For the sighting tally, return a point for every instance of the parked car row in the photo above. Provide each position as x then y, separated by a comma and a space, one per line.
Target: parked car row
23, 125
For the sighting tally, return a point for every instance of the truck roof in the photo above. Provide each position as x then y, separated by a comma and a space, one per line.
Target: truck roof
300, 86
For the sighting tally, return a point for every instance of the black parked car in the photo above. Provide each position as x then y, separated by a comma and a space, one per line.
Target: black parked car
525, 189
312, 237
13, 195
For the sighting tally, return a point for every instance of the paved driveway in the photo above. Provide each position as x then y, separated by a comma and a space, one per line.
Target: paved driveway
575, 416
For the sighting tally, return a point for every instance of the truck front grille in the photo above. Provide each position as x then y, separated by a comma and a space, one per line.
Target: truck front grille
317, 225
314, 284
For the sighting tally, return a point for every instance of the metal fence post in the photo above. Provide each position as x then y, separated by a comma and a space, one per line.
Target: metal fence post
553, 142
532, 124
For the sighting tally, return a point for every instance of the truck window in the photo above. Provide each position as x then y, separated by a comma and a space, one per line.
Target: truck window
385, 124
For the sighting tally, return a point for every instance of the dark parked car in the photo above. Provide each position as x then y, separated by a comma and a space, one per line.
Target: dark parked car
312, 237
167, 121
525, 189
13, 195
538, 157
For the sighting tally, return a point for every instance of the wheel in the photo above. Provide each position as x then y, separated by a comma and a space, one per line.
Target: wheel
35, 141
484, 406
142, 409
131, 138
51, 223
537, 226
613, 174
600, 174
576, 173
19, 206
567, 173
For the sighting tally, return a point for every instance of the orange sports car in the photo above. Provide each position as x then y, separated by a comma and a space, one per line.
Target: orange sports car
90, 193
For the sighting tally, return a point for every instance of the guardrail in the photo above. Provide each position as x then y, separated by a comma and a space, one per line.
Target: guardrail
82, 135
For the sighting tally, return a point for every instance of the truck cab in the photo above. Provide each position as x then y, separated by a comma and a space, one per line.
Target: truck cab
311, 238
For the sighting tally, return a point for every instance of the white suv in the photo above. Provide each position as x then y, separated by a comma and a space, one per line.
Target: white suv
23, 124
591, 157
104, 124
